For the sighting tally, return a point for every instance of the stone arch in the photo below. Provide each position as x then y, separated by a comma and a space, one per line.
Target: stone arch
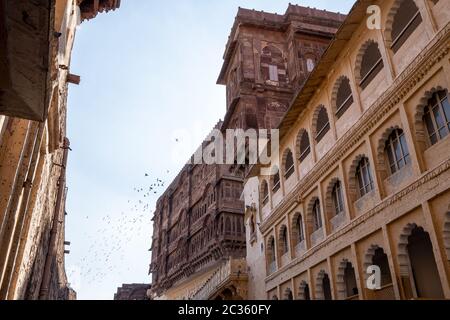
341, 286
275, 177
408, 263
270, 249
328, 205
303, 291
264, 192
315, 119
390, 21
382, 166
295, 232
334, 92
284, 165
283, 240
368, 261
352, 180
359, 58
299, 152
447, 234
420, 129
370, 253
310, 216
320, 290
288, 294
403, 256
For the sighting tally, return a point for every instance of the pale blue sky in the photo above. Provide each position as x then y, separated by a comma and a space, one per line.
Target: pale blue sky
149, 74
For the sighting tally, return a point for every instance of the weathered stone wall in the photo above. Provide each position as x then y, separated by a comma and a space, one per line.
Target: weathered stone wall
32, 161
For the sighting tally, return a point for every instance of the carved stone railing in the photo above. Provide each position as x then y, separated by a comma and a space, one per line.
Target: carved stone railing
223, 274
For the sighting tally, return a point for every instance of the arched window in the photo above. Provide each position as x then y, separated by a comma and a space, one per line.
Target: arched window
423, 265
338, 199
288, 294
344, 97
276, 182
299, 226
305, 147
364, 177
316, 215
406, 20
271, 255
306, 294
350, 280
437, 116
397, 151
284, 240
289, 165
265, 193
380, 259
323, 124
272, 246
371, 64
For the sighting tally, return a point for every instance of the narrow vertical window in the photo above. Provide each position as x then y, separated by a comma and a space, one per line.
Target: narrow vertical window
437, 117
338, 199
364, 177
316, 215
397, 151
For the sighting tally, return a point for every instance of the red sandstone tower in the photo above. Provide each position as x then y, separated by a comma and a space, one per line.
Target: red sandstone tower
198, 225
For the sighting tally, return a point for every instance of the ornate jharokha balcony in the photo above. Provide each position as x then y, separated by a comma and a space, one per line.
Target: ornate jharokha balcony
226, 283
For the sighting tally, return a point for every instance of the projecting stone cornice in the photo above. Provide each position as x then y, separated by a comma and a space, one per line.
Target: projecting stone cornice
435, 51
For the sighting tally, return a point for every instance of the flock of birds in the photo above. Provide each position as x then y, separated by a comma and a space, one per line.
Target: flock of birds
115, 236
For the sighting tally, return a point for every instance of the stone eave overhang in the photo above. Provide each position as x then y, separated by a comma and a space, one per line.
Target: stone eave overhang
25, 59
320, 72
89, 9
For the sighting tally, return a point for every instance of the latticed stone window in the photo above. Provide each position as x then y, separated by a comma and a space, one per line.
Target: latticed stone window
371, 64
397, 151
437, 116
406, 20
364, 177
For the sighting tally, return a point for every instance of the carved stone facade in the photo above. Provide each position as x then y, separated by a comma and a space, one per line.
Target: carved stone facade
370, 185
199, 221
36, 40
